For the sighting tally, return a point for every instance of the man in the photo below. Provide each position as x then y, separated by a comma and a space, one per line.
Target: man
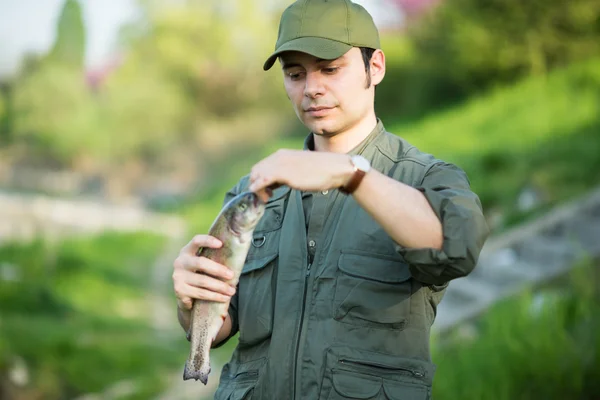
361, 234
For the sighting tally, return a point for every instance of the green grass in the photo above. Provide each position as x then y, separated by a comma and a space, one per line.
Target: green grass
542, 345
77, 314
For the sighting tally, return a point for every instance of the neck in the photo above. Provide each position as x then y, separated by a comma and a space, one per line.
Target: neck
347, 139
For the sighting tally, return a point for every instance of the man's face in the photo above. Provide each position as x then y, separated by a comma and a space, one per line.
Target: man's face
329, 96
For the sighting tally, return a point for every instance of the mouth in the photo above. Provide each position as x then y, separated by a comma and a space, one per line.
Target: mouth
318, 111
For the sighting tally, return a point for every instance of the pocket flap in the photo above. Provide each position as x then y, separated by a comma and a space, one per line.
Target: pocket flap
258, 263
355, 386
400, 391
272, 219
375, 267
240, 393
279, 193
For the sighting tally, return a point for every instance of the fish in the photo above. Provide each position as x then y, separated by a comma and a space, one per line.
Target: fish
234, 227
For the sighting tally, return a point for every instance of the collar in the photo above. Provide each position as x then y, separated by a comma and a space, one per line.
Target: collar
309, 141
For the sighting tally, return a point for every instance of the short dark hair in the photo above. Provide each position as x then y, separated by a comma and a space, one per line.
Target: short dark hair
367, 53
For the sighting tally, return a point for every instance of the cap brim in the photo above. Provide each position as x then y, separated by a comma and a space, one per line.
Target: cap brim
326, 49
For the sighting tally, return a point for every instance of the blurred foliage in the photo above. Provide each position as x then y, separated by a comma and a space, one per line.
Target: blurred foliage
69, 46
177, 96
51, 105
464, 47
53, 124
4, 112
542, 345
77, 315
213, 50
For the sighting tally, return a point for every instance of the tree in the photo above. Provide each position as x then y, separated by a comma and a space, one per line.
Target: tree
53, 113
475, 43
69, 46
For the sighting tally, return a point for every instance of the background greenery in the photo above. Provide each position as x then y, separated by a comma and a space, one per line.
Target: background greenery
508, 90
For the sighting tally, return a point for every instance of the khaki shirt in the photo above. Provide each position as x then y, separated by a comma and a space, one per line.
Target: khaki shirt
330, 307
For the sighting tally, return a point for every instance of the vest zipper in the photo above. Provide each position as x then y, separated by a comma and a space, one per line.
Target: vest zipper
300, 328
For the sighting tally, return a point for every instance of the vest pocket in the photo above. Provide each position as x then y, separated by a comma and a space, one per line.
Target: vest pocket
351, 373
256, 285
372, 290
255, 306
350, 385
241, 385
242, 392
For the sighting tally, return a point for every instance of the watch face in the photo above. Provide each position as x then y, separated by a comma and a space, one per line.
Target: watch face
361, 163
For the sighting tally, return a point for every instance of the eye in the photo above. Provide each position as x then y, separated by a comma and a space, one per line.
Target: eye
294, 73
330, 70
242, 206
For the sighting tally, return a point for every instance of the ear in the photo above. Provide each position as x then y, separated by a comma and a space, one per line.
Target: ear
377, 67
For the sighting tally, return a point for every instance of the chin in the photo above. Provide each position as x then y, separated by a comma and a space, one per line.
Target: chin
322, 127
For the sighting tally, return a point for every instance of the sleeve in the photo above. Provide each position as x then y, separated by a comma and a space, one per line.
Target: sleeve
446, 188
233, 304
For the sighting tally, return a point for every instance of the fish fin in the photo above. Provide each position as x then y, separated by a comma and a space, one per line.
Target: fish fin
201, 374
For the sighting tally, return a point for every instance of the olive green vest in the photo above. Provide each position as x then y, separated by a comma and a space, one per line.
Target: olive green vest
339, 310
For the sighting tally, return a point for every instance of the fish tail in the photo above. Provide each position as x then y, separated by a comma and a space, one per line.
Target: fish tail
200, 374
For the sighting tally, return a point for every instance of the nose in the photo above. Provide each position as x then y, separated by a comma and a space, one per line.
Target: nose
313, 86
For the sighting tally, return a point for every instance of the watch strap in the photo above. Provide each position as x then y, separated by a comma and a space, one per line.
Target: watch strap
351, 186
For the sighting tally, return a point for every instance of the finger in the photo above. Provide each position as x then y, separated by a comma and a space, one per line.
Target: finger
253, 174
184, 301
212, 268
262, 183
201, 241
257, 171
204, 294
209, 283
264, 194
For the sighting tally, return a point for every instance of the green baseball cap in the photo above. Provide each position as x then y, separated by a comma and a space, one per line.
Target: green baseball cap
325, 29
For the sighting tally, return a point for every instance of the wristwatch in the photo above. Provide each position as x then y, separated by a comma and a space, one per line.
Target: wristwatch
361, 167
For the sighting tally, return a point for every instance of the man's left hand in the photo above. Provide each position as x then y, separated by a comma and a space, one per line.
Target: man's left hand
301, 170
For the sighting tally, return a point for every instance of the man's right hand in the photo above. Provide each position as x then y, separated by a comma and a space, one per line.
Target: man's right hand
198, 277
